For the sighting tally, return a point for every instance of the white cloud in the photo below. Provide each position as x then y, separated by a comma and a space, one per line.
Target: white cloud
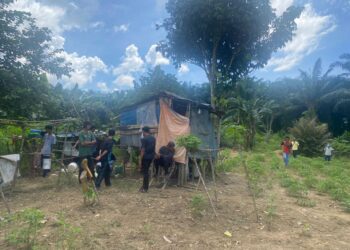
55, 18
103, 87
46, 16
84, 69
280, 6
132, 63
183, 69
155, 57
124, 81
311, 27
97, 24
121, 28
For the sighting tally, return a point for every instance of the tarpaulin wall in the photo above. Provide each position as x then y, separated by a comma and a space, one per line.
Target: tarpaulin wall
171, 126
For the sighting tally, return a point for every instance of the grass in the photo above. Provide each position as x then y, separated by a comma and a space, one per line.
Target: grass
22, 228
304, 174
198, 204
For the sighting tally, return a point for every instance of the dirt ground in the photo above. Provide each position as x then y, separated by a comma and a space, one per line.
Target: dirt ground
127, 219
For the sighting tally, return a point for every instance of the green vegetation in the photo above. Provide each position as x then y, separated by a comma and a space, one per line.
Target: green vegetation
190, 142
198, 204
21, 229
66, 233
311, 135
302, 176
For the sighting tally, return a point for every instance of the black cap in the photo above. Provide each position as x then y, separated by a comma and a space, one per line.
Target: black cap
146, 129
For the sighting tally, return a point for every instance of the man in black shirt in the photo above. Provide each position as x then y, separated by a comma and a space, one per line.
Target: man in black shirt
148, 145
104, 171
165, 157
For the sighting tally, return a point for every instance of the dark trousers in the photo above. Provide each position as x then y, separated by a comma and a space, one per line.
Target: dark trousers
295, 153
90, 165
145, 170
164, 163
103, 172
327, 157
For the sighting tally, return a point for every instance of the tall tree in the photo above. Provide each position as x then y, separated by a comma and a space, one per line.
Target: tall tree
25, 55
226, 38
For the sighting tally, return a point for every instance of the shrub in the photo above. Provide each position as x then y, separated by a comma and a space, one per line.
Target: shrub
198, 205
311, 135
190, 142
341, 144
226, 162
24, 227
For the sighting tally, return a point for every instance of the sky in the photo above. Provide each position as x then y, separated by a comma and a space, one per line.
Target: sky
111, 43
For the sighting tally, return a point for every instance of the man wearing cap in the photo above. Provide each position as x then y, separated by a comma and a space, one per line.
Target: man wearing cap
148, 145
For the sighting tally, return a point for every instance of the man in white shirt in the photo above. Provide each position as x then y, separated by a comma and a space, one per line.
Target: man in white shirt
328, 152
49, 140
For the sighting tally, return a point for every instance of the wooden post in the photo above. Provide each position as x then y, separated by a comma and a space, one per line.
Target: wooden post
62, 159
213, 176
20, 158
205, 187
4, 199
167, 178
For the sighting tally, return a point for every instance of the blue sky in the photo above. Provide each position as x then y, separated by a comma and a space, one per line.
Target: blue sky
111, 43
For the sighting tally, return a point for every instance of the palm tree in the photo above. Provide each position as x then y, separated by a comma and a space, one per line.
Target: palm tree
344, 64
317, 88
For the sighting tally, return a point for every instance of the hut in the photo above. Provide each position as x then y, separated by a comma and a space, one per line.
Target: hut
169, 116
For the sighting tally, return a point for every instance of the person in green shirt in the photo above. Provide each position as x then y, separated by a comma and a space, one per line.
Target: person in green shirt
86, 144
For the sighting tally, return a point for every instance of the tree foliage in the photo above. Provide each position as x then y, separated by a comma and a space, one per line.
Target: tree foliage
226, 38
311, 135
25, 46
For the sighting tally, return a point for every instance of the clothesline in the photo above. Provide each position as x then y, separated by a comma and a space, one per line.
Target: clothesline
24, 122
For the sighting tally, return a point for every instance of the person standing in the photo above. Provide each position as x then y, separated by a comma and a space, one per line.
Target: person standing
148, 146
49, 140
104, 172
328, 152
295, 148
86, 143
286, 149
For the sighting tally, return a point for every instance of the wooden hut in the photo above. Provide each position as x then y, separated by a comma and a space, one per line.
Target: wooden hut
147, 112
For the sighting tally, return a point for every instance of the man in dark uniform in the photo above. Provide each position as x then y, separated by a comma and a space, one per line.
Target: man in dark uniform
148, 146
104, 172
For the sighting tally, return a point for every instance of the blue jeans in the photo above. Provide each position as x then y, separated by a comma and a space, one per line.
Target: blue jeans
285, 158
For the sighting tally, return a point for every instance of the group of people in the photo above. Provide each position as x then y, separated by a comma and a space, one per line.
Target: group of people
292, 147
89, 149
100, 157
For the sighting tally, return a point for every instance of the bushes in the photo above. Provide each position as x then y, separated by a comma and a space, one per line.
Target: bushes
226, 162
190, 142
311, 135
341, 144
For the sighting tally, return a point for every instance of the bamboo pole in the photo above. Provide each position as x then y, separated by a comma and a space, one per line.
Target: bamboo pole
4, 199
213, 176
205, 187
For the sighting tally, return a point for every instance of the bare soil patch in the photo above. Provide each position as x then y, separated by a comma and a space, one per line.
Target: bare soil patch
127, 219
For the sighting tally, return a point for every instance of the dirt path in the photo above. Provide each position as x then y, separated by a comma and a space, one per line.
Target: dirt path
126, 219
